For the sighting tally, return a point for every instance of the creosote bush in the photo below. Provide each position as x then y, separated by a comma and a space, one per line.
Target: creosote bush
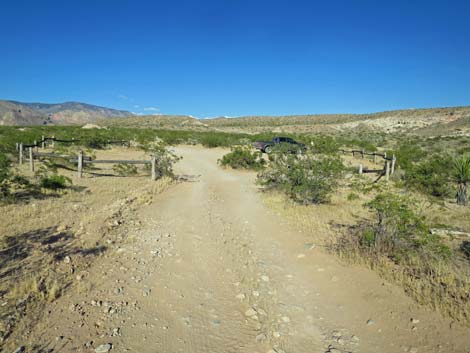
54, 182
430, 176
165, 159
398, 232
243, 158
306, 178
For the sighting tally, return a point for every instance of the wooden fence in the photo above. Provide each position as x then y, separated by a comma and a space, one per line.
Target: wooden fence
80, 159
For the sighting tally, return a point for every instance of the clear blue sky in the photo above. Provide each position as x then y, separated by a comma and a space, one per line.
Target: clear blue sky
217, 57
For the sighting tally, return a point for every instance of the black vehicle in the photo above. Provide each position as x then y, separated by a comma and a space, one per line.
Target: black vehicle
285, 142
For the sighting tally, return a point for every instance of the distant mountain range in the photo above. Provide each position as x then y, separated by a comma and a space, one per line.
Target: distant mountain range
68, 113
432, 121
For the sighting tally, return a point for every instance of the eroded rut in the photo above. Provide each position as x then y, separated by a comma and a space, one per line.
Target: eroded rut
213, 270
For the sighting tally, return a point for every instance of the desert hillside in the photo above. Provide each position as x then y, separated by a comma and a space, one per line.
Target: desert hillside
454, 120
68, 113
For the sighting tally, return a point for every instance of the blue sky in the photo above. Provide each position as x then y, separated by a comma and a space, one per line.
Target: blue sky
211, 58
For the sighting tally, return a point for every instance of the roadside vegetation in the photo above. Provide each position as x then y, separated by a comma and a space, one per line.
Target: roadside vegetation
306, 178
410, 240
243, 157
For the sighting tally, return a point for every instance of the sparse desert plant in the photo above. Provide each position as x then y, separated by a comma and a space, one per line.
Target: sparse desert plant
165, 159
398, 232
54, 182
324, 144
5, 174
125, 169
461, 175
243, 158
353, 196
306, 178
431, 176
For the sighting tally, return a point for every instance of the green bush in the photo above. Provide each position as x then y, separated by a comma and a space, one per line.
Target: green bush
164, 159
5, 175
408, 153
398, 232
430, 176
306, 178
54, 182
324, 144
243, 158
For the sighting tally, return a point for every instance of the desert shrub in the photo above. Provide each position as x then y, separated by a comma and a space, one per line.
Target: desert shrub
125, 169
214, 140
353, 196
5, 175
165, 159
398, 231
465, 248
407, 153
324, 144
430, 176
305, 178
54, 182
243, 158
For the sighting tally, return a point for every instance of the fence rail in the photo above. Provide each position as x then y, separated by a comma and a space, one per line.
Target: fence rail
79, 159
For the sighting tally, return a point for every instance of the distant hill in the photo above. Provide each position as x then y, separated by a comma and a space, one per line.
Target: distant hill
68, 113
439, 121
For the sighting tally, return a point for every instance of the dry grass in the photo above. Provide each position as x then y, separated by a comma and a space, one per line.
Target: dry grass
444, 286
47, 244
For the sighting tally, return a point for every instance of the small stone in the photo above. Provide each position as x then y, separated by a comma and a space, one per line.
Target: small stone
104, 348
285, 319
414, 321
413, 350
261, 337
370, 322
240, 296
255, 293
20, 349
300, 256
88, 344
265, 278
355, 338
276, 334
250, 312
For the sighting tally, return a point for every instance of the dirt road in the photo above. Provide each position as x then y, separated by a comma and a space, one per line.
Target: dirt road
214, 270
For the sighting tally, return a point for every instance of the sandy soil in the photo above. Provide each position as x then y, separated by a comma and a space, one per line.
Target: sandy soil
212, 269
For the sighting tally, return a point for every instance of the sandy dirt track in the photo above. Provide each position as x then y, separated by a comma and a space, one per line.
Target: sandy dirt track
214, 270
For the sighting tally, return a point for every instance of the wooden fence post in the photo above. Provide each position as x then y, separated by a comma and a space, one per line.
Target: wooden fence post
53, 140
20, 159
36, 145
387, 170
80, 163
362, 154
360, 168
17, 146
394, 159
375, 157
385, 155
31, 159
154, 168
43, 143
